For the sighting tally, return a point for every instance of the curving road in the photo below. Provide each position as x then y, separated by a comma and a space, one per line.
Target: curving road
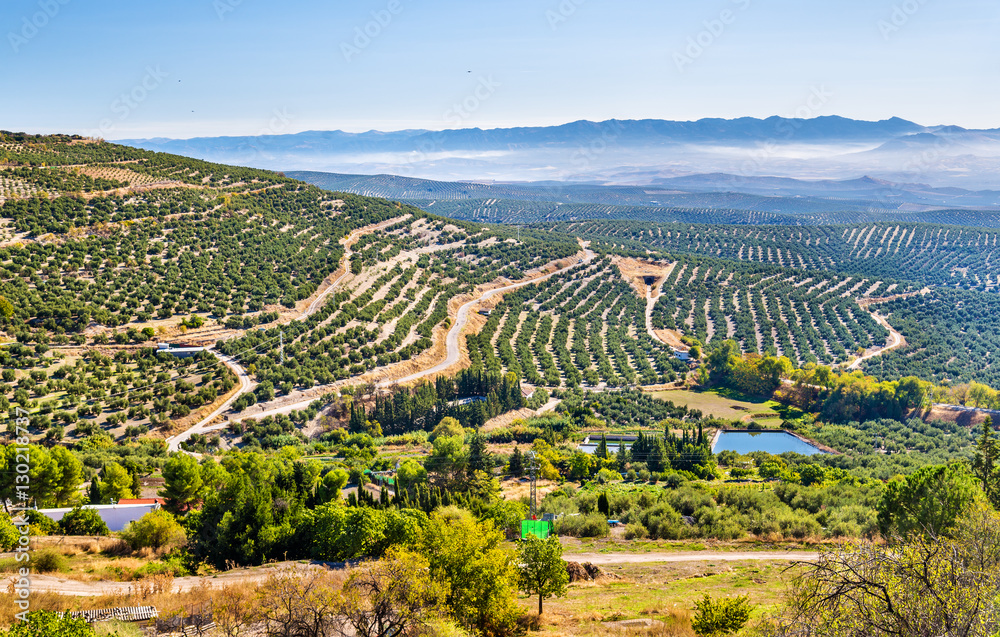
895, 340
452, 342
246, 384
202, 426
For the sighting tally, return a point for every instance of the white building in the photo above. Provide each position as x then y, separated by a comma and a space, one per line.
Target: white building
116, 516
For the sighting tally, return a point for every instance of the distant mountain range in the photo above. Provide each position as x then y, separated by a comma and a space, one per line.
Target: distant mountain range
711, 198
864, 193
630, 151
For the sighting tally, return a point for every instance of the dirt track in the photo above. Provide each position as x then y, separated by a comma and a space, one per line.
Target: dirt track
56, 584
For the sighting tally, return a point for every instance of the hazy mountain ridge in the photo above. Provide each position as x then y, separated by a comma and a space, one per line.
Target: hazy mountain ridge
636, 152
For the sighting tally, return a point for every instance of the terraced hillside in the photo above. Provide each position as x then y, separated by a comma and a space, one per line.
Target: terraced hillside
950, 255
115, 250
107, 251
811, 317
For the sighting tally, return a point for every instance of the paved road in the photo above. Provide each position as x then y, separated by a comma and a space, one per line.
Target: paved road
56, 584
463, 318
202, 426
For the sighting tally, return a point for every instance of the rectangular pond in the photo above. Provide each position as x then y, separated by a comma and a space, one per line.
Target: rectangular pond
773, 442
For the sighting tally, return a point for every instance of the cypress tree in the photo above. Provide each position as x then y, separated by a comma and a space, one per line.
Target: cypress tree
516, 463
621, 460
602, 504
602, 448
95, 491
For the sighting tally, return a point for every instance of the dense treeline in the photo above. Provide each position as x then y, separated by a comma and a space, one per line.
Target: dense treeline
470, 397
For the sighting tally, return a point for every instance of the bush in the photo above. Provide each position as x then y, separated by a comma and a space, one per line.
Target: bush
664, 523
635, 531
48, 561
606, 475
45, 623
82, 521
590, 525
40, 523
721, 616
156, 530
9, 534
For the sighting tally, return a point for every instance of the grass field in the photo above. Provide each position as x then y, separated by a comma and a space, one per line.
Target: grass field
726, 404
658, 591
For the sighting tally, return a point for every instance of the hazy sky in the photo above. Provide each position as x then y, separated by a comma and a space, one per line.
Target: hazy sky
182, 68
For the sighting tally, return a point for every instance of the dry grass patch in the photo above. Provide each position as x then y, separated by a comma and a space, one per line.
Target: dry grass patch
661, 592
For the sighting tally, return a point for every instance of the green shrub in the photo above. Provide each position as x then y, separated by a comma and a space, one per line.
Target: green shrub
606, 475
82, 521
635, 531
9, 534
43, 623
721, 616
48, 561
663, 522
41, 524
157, 530
590, 525
799, 525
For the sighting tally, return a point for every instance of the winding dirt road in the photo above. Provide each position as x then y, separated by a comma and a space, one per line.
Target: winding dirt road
246, 384
202, 426
462, 319
895, 340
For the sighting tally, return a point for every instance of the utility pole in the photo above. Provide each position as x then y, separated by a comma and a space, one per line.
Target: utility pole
533, 470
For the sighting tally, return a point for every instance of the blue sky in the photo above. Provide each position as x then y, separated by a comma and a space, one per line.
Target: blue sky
242, 67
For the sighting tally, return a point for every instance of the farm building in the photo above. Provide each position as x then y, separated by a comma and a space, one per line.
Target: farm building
116, 516
180, 351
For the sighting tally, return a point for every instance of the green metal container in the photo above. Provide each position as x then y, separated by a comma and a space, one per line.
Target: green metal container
539, 528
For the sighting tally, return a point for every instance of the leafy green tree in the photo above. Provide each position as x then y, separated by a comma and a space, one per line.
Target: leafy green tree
543, 571
411, 473
6, 308
928, 501
448, 427
810, 474
481, 573
82, 521
9, 534
116, 484
182, 482
516, 466
331, 485
724, 616
986, 463
580, 466
43, 623
157, 530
